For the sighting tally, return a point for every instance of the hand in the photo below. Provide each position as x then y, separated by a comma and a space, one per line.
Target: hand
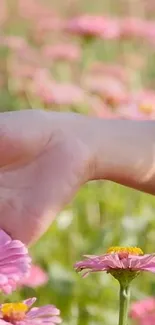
43, 161
46, 157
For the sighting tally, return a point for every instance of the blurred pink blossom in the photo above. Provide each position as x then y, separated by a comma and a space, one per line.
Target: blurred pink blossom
142, 308
94, 26
53, 93
131, 111
110, 69
37, 277
133, 27
146, 100
140, 105
13, 42
110, 89
64, 52
100, 109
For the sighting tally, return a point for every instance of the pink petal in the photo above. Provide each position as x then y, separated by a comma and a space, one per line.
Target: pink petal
44, 311
4, 237
29, 302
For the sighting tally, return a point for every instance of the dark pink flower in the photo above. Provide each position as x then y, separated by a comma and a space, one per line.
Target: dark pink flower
37, 277
118, 258
21, 313
14, 262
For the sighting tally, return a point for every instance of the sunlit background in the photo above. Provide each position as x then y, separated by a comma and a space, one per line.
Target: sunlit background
96, 57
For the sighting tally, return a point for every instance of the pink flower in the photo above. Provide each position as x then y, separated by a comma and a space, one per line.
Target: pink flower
21, 314
37, 277
14, 262
14, 42
149, 32
131, 111
112, 70
139, 106
133, 27
63, 52
99, 109
53, 93
94, 26
118, 258
148, 320
110, 89
142, 308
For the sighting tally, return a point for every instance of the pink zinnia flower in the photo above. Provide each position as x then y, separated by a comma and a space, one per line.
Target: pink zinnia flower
54, 93
118, 259
112, 70
21, 314
139, 106
131, 111
64, 52
14, 262
142, 308
37, 277
93, 26
110, 89
133, 27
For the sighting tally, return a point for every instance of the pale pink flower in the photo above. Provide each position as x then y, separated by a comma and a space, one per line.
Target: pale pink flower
110, 89
146, 100
142, 308
149, 32
93, 26
21, 313
37, 277
133, 27
62, 52
100, 109
67, 94
14, 42
130, 110
118, 258
14, 262
53, 93
140, 106
112, 70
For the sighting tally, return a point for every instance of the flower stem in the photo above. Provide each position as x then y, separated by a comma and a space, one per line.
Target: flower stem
124, 304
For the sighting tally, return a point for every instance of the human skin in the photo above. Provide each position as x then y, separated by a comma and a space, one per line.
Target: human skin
45, 157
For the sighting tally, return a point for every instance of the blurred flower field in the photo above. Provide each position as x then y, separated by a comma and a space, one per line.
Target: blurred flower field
96, 58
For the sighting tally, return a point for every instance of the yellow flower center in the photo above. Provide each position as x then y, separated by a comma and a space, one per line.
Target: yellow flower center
146, 108
13, 312
126, 250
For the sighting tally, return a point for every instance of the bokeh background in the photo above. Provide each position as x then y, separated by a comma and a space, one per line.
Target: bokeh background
96, 58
